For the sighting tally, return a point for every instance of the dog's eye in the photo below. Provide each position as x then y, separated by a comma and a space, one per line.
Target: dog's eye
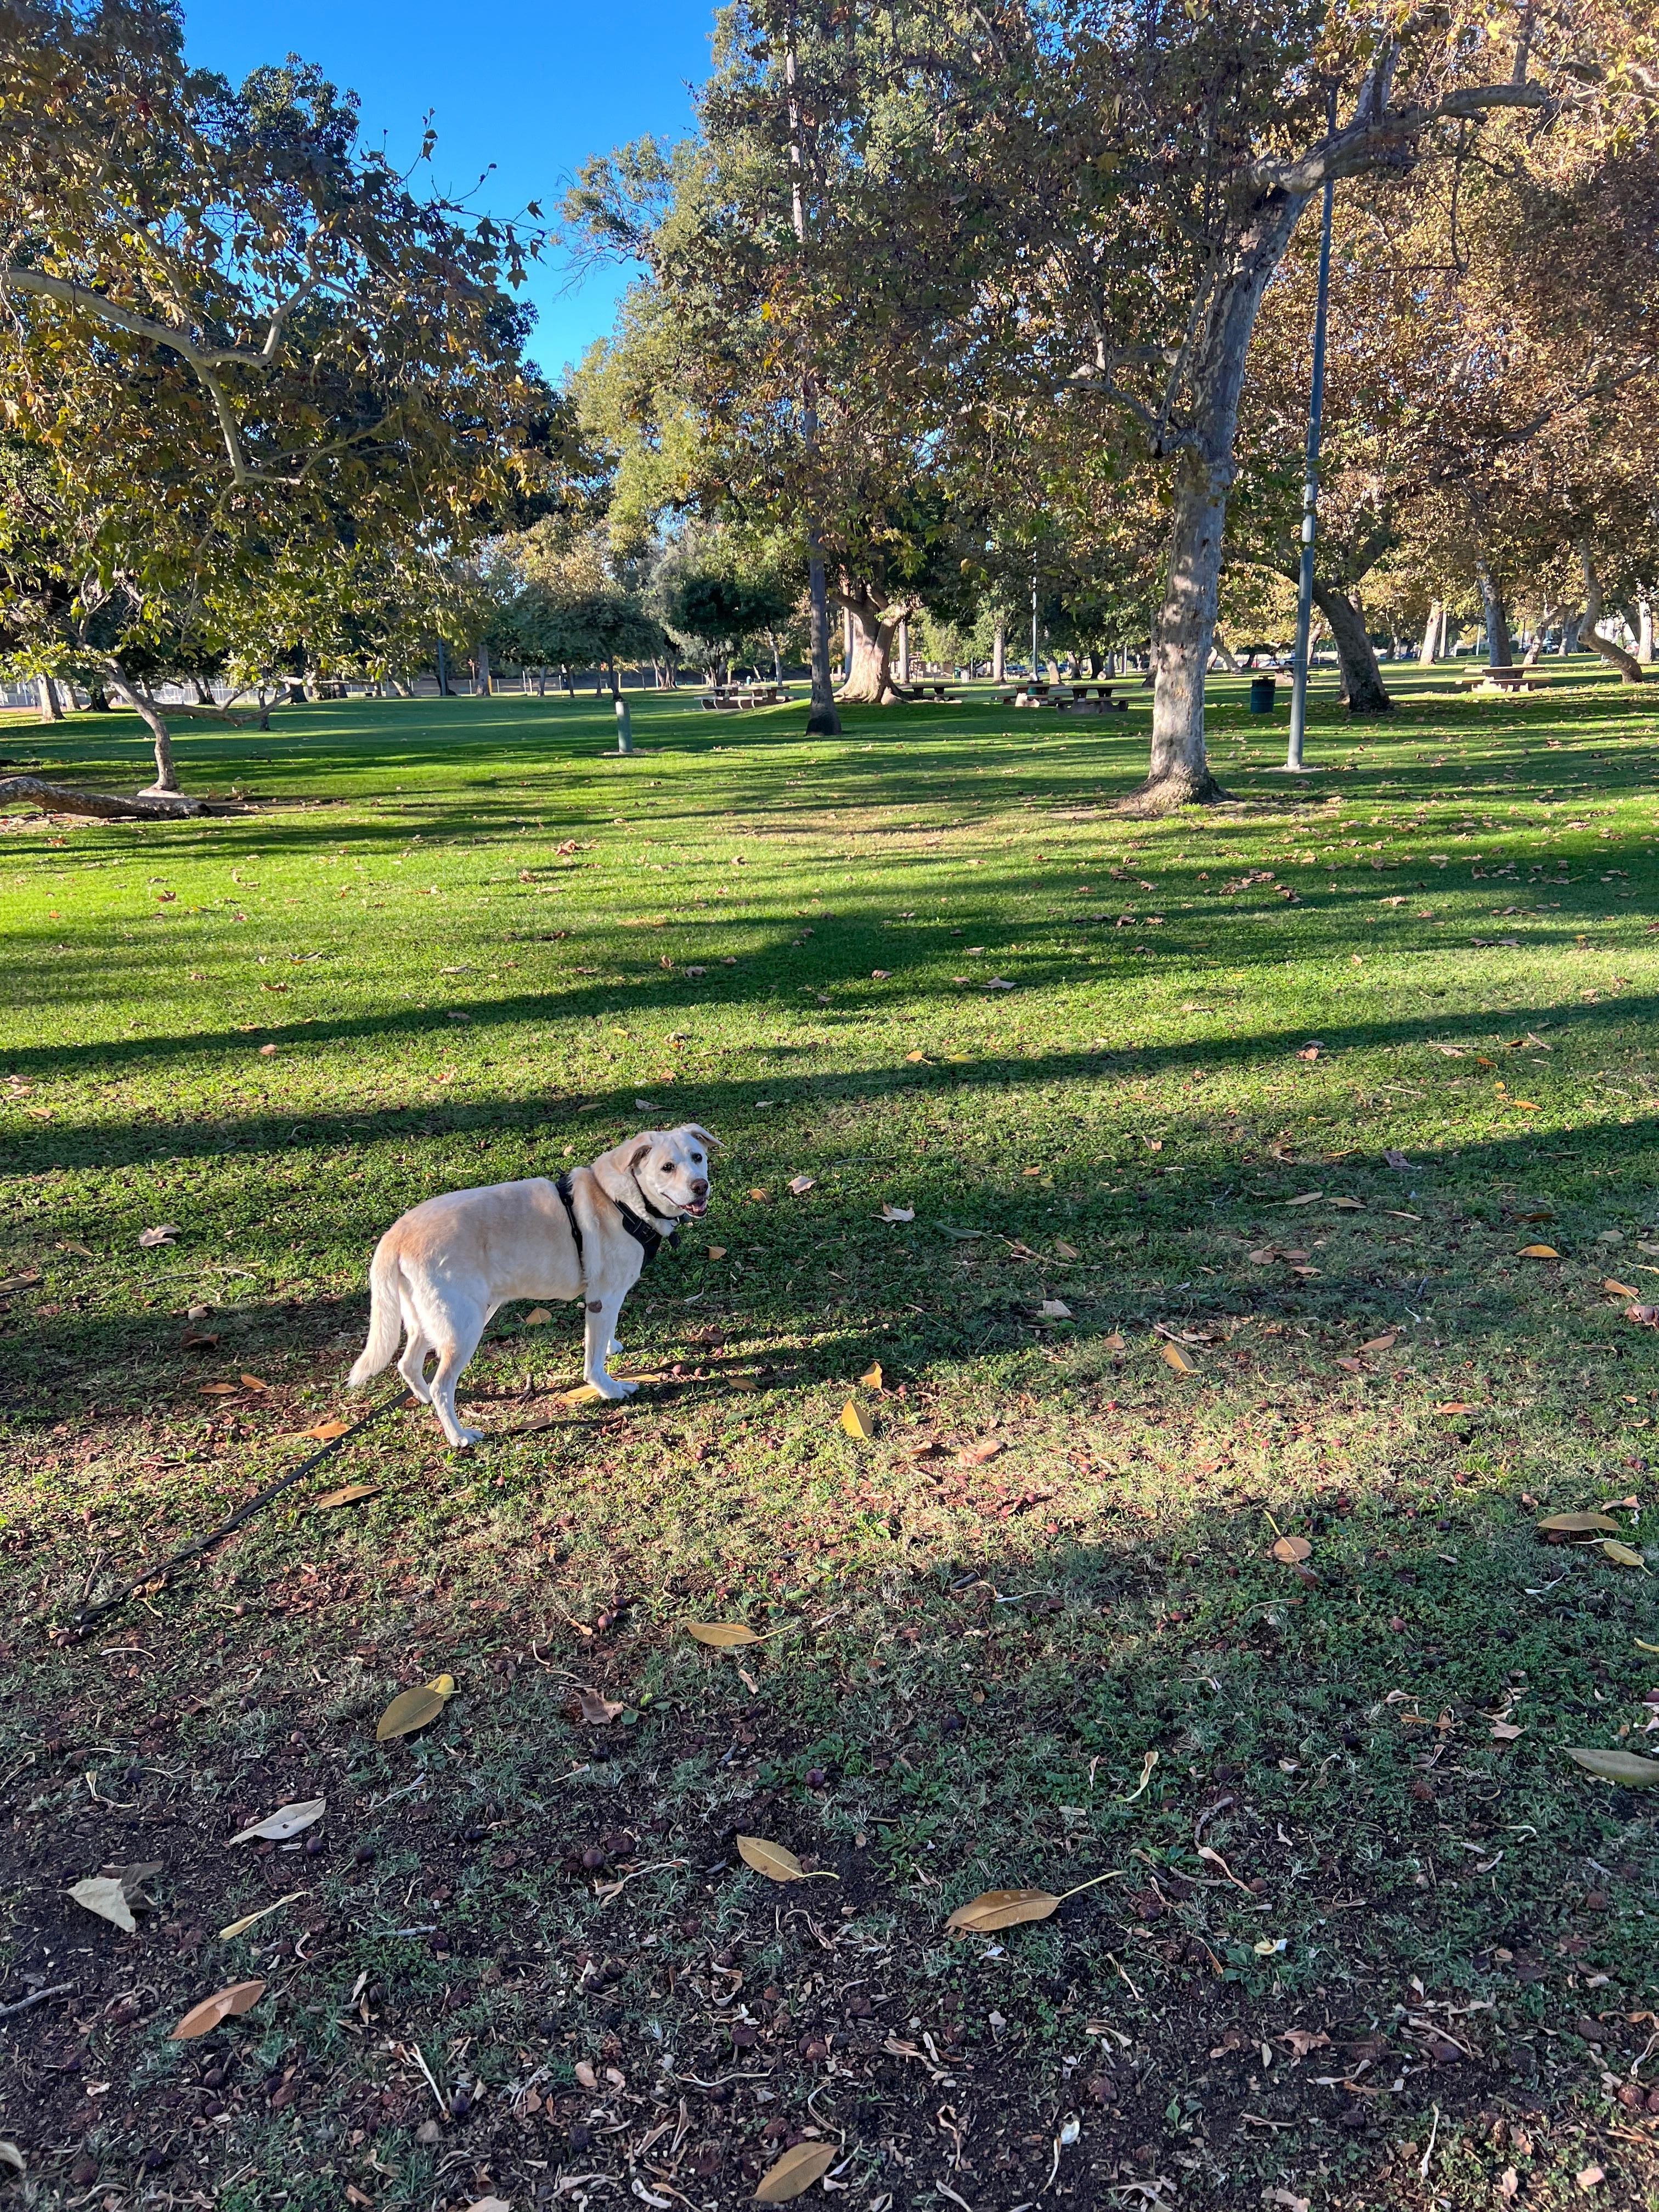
665, 1167
697, 1159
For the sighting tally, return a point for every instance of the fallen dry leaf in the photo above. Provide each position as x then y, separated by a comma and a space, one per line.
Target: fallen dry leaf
538, 1317
801, 1184
1292, 1549
1578, 1524
1621, 1290
414, 1710
163, 1233
253, 1383
1396, 1159
598, 1712
716, 1251
1302, 2040
870, 1378
856, 1421
1506, 1732
1011, 1908
1055, 1309
1064, 1251
222, 2005
976, 1454
106, 1896
1622, 1555
1173, 1354
1627, 1767
722, 1635
252, 1919
287, 1820
1381, 1343
1537, 1252
1115, 1342
1349, 1205
795, 2172
891, 1212
771, 1860
1305, 1198
355, 1493
218, 1389
1455, 1406
916, 1059
325, 1431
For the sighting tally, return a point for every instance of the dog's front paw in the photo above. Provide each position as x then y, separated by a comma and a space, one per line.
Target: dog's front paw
463, 1438
612, 1386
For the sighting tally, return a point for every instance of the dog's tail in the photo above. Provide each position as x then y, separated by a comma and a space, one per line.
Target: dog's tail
384, 1316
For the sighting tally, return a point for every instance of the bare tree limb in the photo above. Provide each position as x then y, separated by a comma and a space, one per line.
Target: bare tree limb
55, 799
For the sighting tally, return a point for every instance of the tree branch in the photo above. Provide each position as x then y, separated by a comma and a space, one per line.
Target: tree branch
1369, 137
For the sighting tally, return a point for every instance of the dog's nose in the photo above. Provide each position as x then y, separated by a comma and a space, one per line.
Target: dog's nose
699, 1186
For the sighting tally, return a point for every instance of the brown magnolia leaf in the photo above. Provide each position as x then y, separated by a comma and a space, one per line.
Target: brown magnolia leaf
795, 2172
1063, 1250
600, 1711
538, 1317
1292, 1549
413, 1710
856, 1421
891, 1212
1506, 1732
870, 1378
486, 2203
1621, 1290
1627, 1767
1175, 1357
717, 1251
1263, 1256
1302, 2040
222, 2005
1055, 1309
1455, 1406
771, 1860
106, 1896
741, 1382
325, 1431
1381, 1343
585, 1394
1115, 1342
1538, 1213
759, 1195
1622, 1555
722, 1635
163, 1233
1578, 1524
287, 1820
193, 1340
1000, 1908
916, 1059
1349, 1205
355, 1493
975, 1454
1305, 1198
1537, 1252
253, 1383
801, 1184
1353, 1366
218, 1389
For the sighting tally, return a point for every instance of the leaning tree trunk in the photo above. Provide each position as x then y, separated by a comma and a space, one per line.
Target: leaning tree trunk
166, 785
1178, 772
1224, 656
1426, 651
1000, 651
1630, 669
47, 699
869, 677
1644, 627
1362, 679
96, 805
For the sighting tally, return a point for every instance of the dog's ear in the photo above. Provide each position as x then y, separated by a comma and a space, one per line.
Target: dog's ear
697, 1129
638, 1153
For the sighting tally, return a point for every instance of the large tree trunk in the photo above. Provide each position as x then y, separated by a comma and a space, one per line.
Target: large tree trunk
868, 681
1629, 670
166, 785
1222, 654
1644, 627
902, 644
1500, 653
97, 806
1178, 772
1426, 651
46, 701
1570, 626
1000, 651
486, 683
1362, 679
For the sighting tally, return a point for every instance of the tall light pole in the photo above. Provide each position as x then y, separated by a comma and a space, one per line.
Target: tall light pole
1310, 485
1034, 628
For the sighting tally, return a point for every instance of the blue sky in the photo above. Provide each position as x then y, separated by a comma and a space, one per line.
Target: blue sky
533, 88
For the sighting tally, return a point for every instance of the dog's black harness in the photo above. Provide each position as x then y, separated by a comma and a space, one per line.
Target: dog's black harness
649, 1239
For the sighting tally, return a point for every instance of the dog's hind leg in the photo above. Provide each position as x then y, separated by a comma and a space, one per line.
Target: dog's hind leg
465, 1326
412, 1365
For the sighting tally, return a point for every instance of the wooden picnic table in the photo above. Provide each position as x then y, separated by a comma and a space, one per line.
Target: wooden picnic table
1502, 679
733, 698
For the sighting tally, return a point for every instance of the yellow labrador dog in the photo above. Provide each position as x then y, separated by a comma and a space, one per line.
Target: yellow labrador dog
440, 1273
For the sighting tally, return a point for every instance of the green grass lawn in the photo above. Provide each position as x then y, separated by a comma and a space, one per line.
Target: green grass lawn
1221, 1138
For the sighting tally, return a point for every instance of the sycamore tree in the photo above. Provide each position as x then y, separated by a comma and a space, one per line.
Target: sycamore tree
1169, 157
234, 333
803, 354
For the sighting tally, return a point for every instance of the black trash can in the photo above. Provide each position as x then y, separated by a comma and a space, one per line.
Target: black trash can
1262, 688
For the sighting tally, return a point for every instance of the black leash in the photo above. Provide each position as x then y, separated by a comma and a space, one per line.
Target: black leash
88, 1613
